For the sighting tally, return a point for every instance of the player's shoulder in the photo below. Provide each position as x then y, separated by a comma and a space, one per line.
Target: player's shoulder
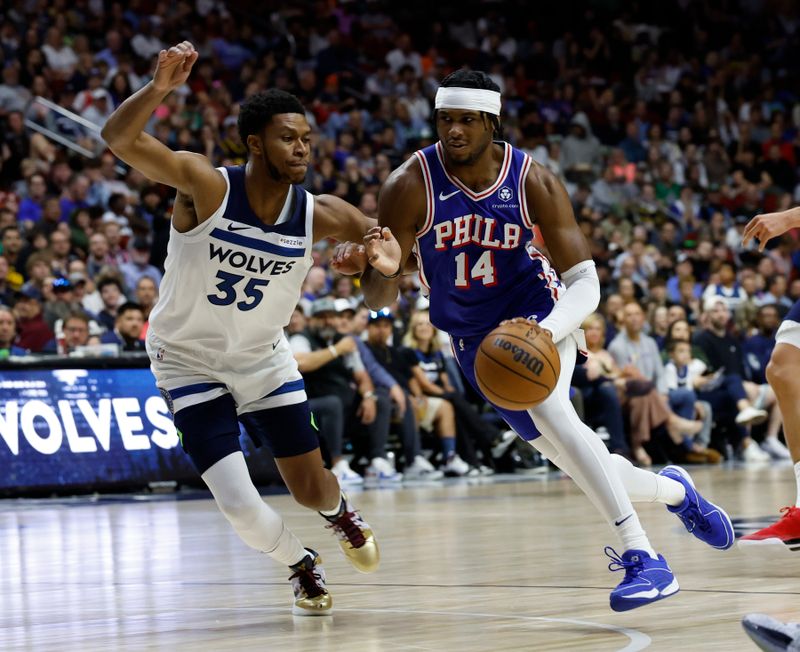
408, 176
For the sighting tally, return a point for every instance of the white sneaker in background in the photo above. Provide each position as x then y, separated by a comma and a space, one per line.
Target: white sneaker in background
753, 453
422, 469
345, 474
486, 470
380, 470
775, 448
456, 466
751, 416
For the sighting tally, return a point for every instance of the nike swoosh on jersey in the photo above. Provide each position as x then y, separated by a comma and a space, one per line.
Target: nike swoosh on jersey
231, 227
443, 197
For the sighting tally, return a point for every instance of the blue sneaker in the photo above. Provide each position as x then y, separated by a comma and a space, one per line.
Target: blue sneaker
705, 520
646, 579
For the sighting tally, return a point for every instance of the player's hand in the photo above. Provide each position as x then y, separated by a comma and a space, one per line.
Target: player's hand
398, 397
346, 345
174, 66
349, 258
765, 227
367, 410
529, 322
383, 251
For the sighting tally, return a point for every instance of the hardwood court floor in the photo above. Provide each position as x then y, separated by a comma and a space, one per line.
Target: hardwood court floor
512, 564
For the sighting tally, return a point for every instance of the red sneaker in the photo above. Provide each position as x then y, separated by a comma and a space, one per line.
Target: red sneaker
784, 533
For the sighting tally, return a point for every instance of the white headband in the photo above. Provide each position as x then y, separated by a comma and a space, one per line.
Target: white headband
468, 99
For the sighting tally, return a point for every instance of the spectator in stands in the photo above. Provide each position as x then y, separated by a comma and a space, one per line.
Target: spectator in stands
683, 375
76, 332
757, 348
146, 296
33, 332
32, 205
139, 264
127, 328
403, 414
433, 412
99, 254
8, 334
422, 338
728, 289
639, 362
11, 242
331, 366
733, 400
61, 303
111, 292
59, 251
601, 388
6, 293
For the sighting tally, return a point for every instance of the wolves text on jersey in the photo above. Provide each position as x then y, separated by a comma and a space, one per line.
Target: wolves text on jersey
461, 231
249, 262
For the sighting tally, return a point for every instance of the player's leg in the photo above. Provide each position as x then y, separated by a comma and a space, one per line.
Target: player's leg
209, 433
289, 432
785, 381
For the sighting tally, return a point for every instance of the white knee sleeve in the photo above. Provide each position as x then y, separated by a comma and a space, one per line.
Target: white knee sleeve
258, 525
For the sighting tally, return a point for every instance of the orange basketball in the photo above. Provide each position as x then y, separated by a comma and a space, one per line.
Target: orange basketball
517, 366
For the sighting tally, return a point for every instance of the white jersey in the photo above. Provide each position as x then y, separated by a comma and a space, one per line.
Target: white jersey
231, 283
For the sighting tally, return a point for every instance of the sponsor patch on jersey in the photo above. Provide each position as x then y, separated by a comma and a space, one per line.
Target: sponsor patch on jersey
505, 194
286, 241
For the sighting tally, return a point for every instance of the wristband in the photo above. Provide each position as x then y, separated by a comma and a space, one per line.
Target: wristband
333, 350
369, 394
395, 275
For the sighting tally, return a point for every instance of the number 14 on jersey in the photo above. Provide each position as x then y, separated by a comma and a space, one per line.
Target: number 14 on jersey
482, 270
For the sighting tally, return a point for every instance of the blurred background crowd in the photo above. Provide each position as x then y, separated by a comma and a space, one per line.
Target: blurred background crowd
671, 124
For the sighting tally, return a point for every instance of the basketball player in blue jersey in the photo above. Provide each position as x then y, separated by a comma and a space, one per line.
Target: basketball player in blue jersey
466, 207
783, 377
240, 247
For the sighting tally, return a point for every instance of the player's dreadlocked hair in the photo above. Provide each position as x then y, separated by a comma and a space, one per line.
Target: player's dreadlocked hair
475, 79
257, 110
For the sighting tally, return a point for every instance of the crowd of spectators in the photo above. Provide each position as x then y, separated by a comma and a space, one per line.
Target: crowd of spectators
671, 124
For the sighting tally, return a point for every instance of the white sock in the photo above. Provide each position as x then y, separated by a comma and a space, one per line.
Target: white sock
632, 534
797, 479
648, 487
256, 523
335, 511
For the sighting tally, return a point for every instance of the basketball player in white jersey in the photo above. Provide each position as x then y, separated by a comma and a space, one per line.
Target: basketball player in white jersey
466, 206
240, 247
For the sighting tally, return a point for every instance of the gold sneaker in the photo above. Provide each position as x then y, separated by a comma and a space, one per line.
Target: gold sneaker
355, 538
311, 598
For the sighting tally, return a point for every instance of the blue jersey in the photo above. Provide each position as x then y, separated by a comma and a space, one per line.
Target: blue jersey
475, 252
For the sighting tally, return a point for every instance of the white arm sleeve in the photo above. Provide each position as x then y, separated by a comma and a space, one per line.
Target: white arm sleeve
579, 301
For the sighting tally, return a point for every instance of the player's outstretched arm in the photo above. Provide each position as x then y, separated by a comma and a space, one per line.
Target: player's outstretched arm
124, 133
401, 206
549, 203
770, 225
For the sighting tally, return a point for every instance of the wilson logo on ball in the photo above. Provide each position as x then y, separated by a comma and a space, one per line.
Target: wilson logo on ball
534, 365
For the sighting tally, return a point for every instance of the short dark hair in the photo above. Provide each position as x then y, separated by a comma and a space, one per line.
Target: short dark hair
474, 79
127, 307
674, 344
108, 280
257, 110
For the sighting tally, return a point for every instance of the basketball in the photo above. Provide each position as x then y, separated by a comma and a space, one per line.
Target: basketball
517, 366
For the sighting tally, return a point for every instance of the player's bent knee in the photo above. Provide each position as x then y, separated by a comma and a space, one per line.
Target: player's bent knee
241, 508
782, 368
310, 492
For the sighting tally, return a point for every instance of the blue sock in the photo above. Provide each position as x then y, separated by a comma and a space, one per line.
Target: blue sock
448, 447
